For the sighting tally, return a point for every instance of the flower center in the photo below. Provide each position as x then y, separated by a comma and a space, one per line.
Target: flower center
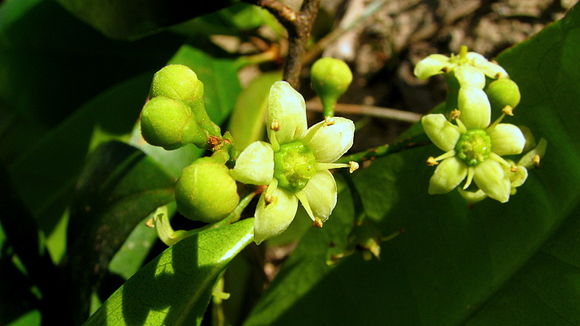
294, 165
473, 147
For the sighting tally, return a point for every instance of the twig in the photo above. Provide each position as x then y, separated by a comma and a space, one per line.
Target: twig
387, 149
298, 25
369, 11
374, 111
285, 15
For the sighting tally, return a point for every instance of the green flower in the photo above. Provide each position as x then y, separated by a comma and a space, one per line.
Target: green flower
470, 68
294, 164
474, 153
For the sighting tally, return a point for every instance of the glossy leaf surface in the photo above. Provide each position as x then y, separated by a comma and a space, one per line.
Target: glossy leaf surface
175, 288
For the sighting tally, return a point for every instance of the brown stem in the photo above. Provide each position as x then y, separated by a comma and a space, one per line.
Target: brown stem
299, 26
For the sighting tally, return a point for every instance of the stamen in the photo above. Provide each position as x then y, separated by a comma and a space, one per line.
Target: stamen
269, 195
536, 160
470, 174
514, 168
443, 156
508, 110
274, 140
445, 69
498, 75
328, 166
150, 223
431, 161
329, 121
500, 160
306, 205
454, 114
275, 125
461, 126
317, 223
496, 122
353, 166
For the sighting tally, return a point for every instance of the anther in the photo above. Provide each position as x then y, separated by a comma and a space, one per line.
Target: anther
317, 222
454, 114
508, 110
498, 75
445, 69
352, 166
268, 199
150, 223
536, 160
329, 121
275, 125
431, 161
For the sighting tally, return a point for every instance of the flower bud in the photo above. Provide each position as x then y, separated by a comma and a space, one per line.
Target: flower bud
205, 191
169, 123
177, 82
503, 92
330, 78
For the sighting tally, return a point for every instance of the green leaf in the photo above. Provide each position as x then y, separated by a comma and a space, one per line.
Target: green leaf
490, 264
119, 187
131, 19
175, 288
233, 20
247, 121
51, 63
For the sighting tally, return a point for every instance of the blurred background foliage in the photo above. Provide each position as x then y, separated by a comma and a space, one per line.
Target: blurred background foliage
78, 183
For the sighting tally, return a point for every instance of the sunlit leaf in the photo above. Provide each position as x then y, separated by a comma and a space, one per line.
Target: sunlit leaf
175, 288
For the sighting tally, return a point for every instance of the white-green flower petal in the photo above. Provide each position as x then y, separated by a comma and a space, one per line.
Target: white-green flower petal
490, 177
472, 197
469, 76
320, 194
448, 174
274, 218
490, 69
430, 66
329, 141
442, 133
506, 139
287, 110
255, 165
475, 108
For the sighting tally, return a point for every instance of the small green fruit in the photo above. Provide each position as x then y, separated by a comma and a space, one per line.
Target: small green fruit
330, 78
205, 191
169, 123
503, 92
177, 82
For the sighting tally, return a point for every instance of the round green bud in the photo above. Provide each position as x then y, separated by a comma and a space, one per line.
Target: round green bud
503, 92
205, 191
177, 82
169, 123
330, 78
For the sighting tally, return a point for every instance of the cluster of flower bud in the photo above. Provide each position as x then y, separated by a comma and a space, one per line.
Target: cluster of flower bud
175, 115
474, 146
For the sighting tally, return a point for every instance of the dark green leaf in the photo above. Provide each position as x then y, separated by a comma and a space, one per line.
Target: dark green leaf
47, 173
131, 19
175, 288
453, 260
117, 189
51, 63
